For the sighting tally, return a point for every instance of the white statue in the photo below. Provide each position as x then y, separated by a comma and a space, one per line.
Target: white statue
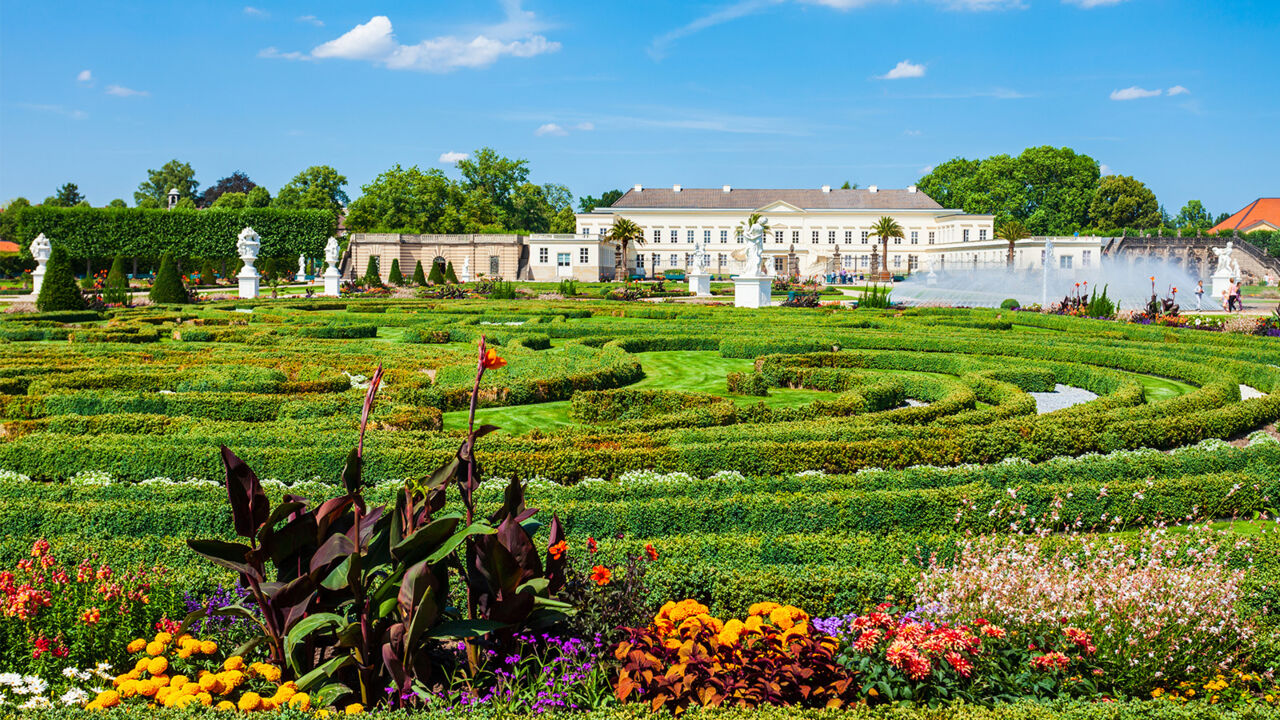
754, 237
332, 252
247, 246
302, 267
1227, 266
466, 269
41, 248
332, 277
700, 257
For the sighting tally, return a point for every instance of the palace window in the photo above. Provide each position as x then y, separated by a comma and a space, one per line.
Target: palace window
982, 233
1064, 262
865, 236
777, 236
720, 259
675, 236
657, 236
913, 262
675, 260
831, 237
1084, 258
966, 235
689, 235
688, 259
706, 236
544, 255
915, 237
931, 235
495, 266
846, 262
562, 259
795, 236
897, 241
897, 261
640, 261
848, 237
584, 256
815, 237
864, 260
724, 236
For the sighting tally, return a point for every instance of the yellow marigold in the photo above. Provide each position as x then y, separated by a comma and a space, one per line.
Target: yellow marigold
322, 713
763, 608
754, 623
128, 688
208, 647
155, 648
268, 704
184, 653
301, 701
226, 705
164, 637
268, 672
141, 664
146, 688
190, 688
108, 698
284, 693
177, 681
353, 709
185, 638
233, 679
732, 632
211, 683
235, 662
205, 698
157, 666
136, 646
249, 701
182, 701
786, 616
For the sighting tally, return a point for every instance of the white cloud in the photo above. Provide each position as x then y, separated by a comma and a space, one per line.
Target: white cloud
272, 52
452, 158
904, 69
1104, 169
1134, 93
926, 169
911, 133
375, 42
56, 110
743, 8
122, 91
585, 126
1177, 90
84, 76
311, 20
252, 11
550, 129
983, 5
1086, 4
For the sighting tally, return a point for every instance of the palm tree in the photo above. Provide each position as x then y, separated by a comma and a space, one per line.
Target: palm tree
886, 227
624, 232
1011, 231
752, 219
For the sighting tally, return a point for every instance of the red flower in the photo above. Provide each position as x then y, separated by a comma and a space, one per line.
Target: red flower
492, 361
591, 544
1051, 661
650, 552
601, 575
558, 550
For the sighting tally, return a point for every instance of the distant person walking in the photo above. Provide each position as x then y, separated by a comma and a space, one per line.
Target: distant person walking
1199, 295
1240, 296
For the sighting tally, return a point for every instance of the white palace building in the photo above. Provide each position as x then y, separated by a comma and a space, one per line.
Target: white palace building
825, 229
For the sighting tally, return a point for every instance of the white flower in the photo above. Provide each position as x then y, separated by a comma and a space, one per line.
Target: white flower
74, 696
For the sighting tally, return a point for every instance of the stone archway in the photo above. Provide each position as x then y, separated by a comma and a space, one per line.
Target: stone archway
438, 262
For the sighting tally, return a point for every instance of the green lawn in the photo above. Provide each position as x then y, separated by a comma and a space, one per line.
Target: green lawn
1156, 389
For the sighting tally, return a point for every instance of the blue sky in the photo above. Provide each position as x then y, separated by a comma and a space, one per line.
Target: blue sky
596, 95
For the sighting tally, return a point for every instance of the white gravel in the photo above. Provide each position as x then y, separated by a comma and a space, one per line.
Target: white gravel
1062, 397
1248, 393
916, 403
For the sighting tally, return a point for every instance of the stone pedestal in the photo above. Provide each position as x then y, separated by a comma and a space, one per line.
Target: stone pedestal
752, 291
249, 283
332, 282
1221, 286
931, 279
37, 278
700, 284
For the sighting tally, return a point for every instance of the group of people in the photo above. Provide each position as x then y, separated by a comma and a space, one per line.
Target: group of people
1232, 297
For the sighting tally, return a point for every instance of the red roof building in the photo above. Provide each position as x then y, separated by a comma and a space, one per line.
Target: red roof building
1261, 214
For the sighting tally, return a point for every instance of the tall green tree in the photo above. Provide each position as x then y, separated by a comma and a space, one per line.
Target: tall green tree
588, 203
625, 233
408, 199
168, 287
449, 274
67, 196
231, 201
171, 175
236, 182
564, 221
319, 187
1011, 231
419, 277
258, 197
59, 290
394, 275
1193, 215
117, 290
1122, 202
117, 203
496, 176
885, 228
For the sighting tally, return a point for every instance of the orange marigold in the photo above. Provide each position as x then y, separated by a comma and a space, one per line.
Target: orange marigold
601, 575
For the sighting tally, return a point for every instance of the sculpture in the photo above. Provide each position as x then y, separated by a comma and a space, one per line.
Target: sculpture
302, 266
699, 257
247, 246
41, 248
332, 252
754, 237
1227, 266
466, 269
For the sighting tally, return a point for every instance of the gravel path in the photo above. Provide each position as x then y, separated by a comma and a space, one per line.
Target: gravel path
1248, 393
1062, 397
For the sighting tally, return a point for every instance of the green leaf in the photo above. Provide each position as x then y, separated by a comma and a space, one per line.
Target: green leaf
324, 671
475, 528
305, 628
463, 629
409, 550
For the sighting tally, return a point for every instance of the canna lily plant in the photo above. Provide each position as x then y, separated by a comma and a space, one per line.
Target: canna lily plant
355, 601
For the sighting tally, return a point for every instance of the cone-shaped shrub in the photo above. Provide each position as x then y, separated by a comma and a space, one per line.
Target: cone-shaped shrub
449, 274
437, 276
419, 278
371, 272
394, 276
59, 291
168, 287
208, 276
117, 290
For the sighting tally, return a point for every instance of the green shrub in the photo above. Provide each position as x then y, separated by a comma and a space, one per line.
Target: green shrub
437, 275
503, 291
395, 278
1010, 304
372, 274
747, 384
168, 287
419, 278
59, 291
449, 274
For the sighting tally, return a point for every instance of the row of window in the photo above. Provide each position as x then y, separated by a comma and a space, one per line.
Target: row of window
562, 259
849, 262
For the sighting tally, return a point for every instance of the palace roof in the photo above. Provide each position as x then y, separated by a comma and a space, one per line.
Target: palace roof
751, 199
1262, 210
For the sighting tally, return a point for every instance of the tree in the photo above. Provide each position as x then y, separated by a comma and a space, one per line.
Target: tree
59, 290
117, 203
407, 199
231, 201
185, 203
168, 287
149, 203
9, 229
607, 198
259, 197
172, 175
534, 207
449, 274
1193, 215
236, 182
67, 196
886, 227
1221, 218
437, 274
419, 278
208, 275
625, 233
1122, 202
495, 175
564, 221
394, 276
319, 187
849, 186
372, 275
1011, 231
117, 290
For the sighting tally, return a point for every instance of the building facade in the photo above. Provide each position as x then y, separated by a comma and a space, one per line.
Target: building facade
826, 229
489, 256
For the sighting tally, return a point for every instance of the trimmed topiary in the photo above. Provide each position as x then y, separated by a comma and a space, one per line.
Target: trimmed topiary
208, 275
117, 290
449, 274
394, 276
372, 276
168, 287
437, 276
59, 291
1010, 304
419, 277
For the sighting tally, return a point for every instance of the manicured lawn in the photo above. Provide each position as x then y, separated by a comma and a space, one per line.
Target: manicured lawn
1156, 389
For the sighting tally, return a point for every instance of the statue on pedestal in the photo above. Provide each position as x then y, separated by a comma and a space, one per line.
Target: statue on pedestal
332, 253
699, 258
1227, 266
754, 237
247, 245
41, 248
302, 268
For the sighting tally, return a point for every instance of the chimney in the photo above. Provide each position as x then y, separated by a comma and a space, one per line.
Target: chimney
873, 188
911, 188
638, 188
726, 188
826, 188
675, 188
